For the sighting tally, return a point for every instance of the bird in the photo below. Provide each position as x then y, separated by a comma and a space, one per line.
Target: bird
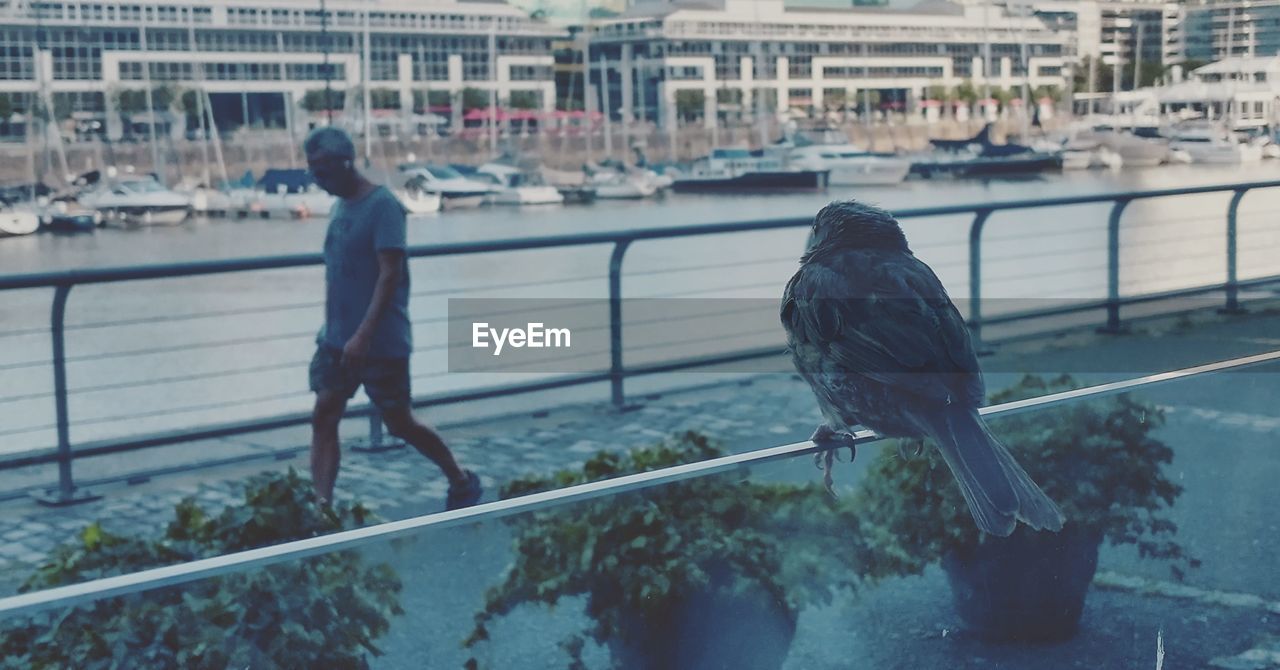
872, 330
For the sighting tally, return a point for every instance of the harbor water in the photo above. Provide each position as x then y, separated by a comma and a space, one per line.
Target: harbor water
155, 355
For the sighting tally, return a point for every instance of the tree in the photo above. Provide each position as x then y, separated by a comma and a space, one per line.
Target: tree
834, 98
690, 103
314, 100
474, 98
163, 97
1052, 92
424, 99
729, 96
384, 98
524, 100
6, 107
872, 98
129, 101
1150, 72
938, 92
966, 92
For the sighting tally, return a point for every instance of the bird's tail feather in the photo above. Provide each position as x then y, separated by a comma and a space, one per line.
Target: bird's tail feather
998, 491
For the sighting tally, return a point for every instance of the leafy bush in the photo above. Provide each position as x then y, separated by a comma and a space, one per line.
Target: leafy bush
642, 552
322, 612
1096, 459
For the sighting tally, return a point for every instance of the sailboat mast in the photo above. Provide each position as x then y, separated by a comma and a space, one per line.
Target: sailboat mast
493, 89
45, 97
151, 109
368, 95
328, 75
604, 106
986, 52
213, 132
199, 76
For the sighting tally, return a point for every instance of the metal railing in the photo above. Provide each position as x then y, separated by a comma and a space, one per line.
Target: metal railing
137, 582
63, 282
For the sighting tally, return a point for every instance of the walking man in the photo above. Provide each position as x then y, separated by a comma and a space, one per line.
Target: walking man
366, 338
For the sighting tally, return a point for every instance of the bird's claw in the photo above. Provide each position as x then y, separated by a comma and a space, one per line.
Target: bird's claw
825, 459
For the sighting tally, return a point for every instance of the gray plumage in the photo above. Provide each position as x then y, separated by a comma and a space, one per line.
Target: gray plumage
874, 333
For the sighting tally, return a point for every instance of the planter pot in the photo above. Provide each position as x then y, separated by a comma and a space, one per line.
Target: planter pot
1028, 587
710, 630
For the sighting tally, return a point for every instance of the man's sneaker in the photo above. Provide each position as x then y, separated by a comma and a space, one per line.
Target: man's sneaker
464, 495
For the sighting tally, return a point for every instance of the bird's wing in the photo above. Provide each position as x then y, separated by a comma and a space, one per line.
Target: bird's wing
886, 317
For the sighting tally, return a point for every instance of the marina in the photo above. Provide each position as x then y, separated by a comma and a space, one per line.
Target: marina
659, 259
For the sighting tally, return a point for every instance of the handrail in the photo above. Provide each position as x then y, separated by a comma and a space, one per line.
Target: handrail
75, 594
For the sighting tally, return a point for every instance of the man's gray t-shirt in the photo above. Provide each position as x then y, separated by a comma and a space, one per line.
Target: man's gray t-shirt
358, 230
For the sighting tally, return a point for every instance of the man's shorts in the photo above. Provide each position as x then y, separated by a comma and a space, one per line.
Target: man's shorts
385, 380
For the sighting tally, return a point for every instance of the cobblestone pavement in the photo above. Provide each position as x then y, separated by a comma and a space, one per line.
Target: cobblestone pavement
399, 483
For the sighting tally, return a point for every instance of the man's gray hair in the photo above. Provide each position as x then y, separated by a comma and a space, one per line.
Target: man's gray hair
329, 141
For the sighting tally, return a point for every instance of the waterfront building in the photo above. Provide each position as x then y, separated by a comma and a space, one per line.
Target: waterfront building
1142, 39
262, 63
1218, 30
662, 59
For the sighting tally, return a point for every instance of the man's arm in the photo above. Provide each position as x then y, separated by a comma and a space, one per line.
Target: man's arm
390, 263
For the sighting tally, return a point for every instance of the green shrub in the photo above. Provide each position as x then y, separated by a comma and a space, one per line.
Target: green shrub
1095, 458
641, 552
323, 612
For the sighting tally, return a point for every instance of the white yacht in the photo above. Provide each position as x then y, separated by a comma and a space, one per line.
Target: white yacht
1208, 144
416, 198
628, 185
137, 200
17, 221
516, 187
749, 171
848, 163
455, 190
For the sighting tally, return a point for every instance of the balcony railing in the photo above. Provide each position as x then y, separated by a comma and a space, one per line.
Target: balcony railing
618, 371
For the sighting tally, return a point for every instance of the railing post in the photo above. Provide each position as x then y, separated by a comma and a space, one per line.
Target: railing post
1113, 268
66, 493
375, 443
975, 280
616, 371
1233, 288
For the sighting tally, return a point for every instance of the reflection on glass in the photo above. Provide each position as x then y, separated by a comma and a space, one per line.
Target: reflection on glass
1166, 547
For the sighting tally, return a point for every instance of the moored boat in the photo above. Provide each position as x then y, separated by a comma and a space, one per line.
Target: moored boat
743, 170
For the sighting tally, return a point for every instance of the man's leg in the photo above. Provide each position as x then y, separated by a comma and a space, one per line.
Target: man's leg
402, 424
325, 452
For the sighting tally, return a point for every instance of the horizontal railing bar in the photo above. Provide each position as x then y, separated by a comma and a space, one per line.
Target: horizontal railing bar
103, 448
67, 596
193, 268
1101, 303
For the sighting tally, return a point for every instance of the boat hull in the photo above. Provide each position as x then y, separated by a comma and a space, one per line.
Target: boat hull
888, 173
1229, 155
71, 223
149, 216
541, 195
18, 222
986, 167
462, 200
754, 182
625, 191
419, 203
